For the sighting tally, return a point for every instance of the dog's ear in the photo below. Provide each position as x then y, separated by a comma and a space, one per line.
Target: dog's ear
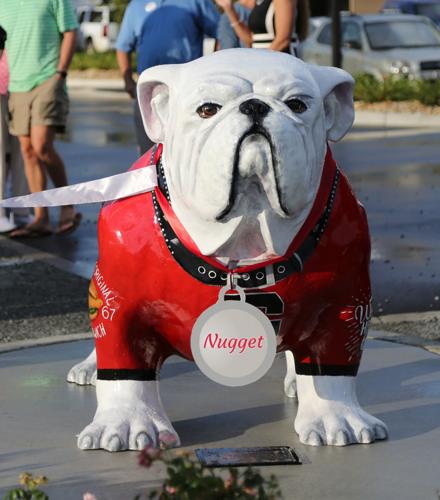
153, 93
336, 87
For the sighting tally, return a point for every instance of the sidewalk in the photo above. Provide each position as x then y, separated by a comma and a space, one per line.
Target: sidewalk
41, 414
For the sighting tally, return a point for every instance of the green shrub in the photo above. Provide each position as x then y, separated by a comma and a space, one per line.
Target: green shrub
187, 479
368, 89
100, 60
429, 92
31, 489
399, 89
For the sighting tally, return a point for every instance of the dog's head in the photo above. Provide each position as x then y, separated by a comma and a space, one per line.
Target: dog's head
244, 134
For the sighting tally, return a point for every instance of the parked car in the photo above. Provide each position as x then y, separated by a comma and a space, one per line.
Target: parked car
97, 28
380, 45
428, 8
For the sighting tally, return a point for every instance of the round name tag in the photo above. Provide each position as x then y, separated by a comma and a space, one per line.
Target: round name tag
233, 342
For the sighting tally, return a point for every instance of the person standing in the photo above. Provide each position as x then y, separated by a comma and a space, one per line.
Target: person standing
161, 32
11, 163
270, 24
226, 36
41, 39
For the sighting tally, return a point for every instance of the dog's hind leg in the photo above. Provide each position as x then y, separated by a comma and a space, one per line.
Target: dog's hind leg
290, 378
84, 373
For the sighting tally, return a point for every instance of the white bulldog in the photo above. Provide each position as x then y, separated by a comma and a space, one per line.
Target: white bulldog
244, 136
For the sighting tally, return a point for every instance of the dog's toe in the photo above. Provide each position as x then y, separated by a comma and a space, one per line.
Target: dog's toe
168, 439
114, 444
142, 441
313, 439
342, 438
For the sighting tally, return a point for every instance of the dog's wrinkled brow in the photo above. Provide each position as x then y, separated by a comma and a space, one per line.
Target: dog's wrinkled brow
220, 88
284, 87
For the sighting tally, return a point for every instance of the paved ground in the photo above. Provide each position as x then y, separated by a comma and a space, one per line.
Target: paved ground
39, 296
40, 414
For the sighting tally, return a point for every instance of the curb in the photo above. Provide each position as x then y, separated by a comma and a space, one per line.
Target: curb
43, 341
115, 84
393, 119
432, 346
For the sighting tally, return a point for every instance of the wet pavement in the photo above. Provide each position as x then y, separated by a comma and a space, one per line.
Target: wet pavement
395, 173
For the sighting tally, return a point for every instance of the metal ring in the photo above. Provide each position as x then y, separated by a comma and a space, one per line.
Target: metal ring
298, 258
259, 276
281, 269
246, 277
223, 276
201, 270
212, 274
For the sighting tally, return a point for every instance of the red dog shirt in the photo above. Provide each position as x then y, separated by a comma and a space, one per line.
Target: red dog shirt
151, 283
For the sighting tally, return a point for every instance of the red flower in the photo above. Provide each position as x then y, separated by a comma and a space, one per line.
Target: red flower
148, 455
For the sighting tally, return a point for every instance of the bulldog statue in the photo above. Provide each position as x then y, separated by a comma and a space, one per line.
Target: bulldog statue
246, 185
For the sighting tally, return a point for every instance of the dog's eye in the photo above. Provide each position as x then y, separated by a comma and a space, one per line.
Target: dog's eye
208, 110
296, 105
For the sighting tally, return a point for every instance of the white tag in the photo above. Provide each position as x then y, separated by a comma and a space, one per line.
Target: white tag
233, 342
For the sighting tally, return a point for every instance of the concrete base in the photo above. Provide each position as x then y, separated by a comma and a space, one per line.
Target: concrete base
40, 414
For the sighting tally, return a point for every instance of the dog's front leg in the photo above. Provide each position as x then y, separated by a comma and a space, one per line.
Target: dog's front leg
129, 416
329, 413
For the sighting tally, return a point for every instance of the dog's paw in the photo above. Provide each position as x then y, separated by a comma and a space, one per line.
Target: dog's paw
338, 424
130, 416
84, 373
118, 429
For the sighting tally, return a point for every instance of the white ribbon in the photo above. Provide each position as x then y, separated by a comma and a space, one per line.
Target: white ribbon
110, 188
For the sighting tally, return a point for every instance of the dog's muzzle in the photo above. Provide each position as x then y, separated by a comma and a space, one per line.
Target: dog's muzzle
257, 110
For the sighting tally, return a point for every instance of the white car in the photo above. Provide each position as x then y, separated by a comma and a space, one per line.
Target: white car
97, 28
380, 45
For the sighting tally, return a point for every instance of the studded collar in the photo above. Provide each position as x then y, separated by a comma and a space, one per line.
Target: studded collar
262, 276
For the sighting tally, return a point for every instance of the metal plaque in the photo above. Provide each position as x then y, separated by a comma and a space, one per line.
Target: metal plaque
237, 457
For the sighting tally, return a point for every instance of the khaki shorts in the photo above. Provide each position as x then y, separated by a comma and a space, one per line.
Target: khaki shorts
46, 104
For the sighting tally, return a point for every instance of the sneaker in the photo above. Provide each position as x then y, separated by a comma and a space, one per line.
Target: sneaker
7, 224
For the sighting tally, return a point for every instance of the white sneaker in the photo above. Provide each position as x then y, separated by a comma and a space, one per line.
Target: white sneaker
7, 224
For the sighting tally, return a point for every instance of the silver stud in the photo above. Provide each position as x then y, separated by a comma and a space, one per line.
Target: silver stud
259, 276
201, 270
212, 274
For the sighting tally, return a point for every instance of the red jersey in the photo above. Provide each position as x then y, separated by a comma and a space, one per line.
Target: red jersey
151, 283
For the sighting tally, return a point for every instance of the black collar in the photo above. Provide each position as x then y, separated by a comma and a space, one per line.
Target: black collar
265, 275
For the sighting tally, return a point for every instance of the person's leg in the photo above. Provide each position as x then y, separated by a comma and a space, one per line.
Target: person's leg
42, 140
36, 177
3, 152
20, 109
19, 182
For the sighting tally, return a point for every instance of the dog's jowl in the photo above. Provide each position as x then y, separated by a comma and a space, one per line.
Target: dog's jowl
246, 185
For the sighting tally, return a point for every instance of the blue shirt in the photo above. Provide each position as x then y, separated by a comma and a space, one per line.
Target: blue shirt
166, 31
226, 36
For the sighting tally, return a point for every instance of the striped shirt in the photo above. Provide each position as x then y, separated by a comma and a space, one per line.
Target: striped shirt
34, 29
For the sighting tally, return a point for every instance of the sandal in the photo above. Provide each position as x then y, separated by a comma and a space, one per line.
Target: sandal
69, 225
32, 230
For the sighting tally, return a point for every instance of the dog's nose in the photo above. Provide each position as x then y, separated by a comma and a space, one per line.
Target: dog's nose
254, 108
